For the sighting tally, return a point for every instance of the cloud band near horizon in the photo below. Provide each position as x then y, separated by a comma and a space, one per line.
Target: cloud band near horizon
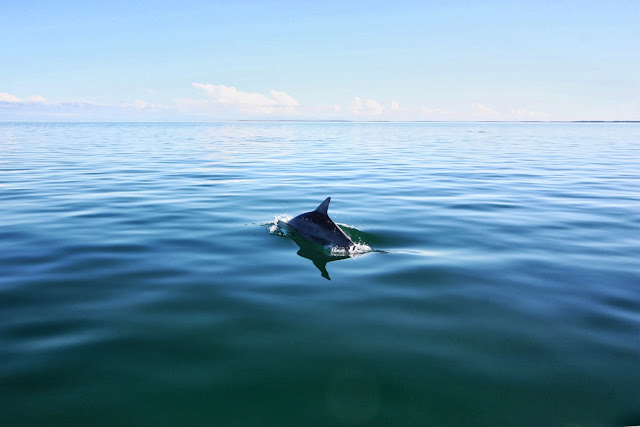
221, 102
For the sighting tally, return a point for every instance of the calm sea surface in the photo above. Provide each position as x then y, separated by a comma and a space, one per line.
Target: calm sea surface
142, 281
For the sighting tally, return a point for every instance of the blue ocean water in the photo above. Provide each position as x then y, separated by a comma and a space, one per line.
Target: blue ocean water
143, 280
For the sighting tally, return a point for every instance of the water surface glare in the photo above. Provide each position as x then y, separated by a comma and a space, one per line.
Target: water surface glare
142, 282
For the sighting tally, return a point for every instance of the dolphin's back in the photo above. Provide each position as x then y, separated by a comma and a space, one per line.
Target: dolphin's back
317, 227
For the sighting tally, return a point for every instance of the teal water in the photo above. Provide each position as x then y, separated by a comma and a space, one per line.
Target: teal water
142, 281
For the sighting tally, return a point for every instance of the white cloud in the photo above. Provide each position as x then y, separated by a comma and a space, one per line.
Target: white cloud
283, 98
482, 112
35, 98
395, 106
139, 104
366, 107
7, 97
248, 102
230, 95
143, 105
37, 107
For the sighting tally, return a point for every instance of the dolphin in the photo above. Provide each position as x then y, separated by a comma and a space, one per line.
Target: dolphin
317, 227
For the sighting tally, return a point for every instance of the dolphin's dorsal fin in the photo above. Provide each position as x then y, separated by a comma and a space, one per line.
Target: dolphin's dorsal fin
324, 206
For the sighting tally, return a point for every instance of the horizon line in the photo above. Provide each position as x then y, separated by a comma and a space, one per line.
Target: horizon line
318, 121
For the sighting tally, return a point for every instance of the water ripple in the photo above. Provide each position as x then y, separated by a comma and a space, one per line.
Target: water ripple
139, 282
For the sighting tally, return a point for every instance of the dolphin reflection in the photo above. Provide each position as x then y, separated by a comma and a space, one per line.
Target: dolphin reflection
317, 257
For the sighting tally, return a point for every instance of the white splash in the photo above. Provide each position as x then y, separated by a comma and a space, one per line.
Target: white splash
279, 226
353, 251
277, 220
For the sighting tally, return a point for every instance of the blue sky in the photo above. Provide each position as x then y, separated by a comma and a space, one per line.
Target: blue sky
352, 60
